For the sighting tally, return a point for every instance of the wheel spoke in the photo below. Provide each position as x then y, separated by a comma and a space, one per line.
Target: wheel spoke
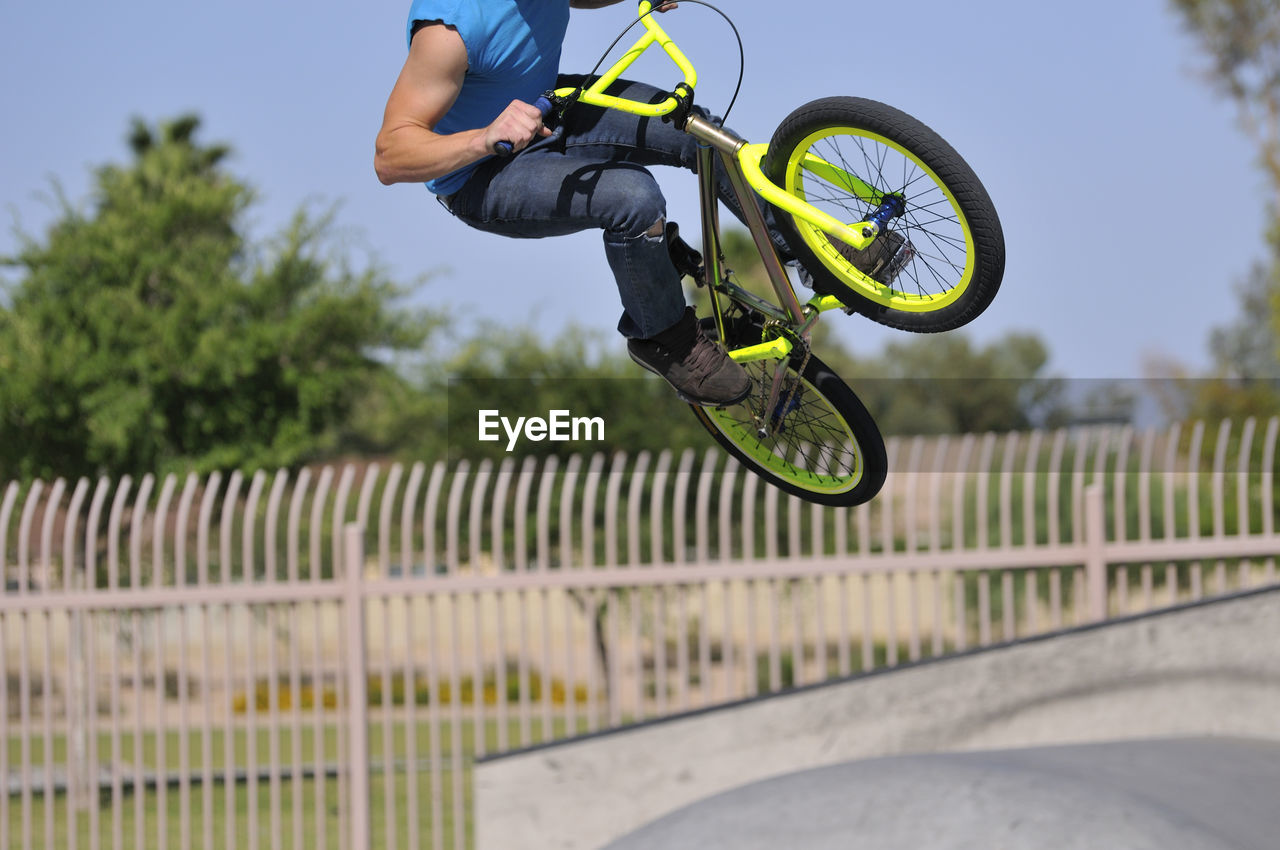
812, 425
931, 220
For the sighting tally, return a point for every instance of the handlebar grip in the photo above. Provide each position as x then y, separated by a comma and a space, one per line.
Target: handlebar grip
543, 105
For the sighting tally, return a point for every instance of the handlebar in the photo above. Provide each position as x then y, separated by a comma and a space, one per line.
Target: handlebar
505, 148
654, 34
595, 93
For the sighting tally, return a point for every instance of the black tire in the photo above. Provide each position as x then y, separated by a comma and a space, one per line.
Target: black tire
956, 245
825, 449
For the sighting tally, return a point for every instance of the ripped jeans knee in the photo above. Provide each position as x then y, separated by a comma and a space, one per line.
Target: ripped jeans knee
649, 285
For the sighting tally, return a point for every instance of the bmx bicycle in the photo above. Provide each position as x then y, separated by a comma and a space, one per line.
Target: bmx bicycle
884, 218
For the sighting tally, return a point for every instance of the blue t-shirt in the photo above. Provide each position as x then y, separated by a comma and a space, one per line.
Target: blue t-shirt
513, 53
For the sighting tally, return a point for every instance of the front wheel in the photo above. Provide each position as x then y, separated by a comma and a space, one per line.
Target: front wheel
821, 443
939, 259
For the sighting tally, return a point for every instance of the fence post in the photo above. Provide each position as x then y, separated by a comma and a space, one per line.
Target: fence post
357, 686
1095, 567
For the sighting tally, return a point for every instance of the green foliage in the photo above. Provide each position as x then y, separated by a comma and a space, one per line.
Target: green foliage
1246, 354
515, 686
515, 372
1247, 350
946, 384
1241, 40
146, 334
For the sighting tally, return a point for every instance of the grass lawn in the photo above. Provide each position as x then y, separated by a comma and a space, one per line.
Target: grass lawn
441, 805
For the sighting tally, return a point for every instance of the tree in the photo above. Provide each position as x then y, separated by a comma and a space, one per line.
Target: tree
944, 384
147, 333
514, 372
1247, 349
1241, 39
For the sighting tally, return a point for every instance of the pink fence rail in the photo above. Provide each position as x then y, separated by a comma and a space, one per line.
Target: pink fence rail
316, 659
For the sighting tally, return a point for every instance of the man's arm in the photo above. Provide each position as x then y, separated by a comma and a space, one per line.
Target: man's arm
408, 149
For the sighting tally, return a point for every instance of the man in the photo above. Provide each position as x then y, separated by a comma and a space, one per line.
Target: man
473, 71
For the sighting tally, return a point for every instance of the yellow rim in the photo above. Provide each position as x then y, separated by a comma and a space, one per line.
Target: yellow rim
939, 249
804, 463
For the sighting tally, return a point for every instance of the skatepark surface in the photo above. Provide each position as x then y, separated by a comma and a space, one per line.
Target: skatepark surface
1176, 794
1154, 731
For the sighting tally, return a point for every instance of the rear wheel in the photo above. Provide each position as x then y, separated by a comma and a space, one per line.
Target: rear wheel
939, 260
821, 443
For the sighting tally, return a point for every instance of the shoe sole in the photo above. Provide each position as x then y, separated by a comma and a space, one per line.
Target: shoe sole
685, 397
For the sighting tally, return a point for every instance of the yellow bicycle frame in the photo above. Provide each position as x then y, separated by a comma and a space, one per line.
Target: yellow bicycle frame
747, 158
859, 235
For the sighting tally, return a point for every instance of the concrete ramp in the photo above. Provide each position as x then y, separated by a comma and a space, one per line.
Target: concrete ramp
1187, 794
1208, 670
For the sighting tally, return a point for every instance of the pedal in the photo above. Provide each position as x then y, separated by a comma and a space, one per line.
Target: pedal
884, 259
683, 256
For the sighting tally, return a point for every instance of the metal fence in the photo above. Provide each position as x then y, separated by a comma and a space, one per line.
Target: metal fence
315, 660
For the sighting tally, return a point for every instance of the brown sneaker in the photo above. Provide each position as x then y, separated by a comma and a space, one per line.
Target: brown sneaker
687, 359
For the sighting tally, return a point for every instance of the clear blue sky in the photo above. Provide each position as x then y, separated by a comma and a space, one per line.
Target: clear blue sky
1130, 200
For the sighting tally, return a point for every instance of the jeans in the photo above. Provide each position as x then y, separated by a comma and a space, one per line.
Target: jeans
592, 173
